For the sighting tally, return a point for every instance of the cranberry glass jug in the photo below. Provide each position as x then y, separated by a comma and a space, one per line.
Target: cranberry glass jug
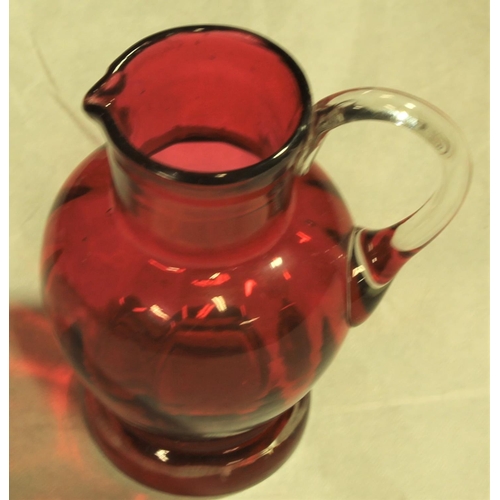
201, 271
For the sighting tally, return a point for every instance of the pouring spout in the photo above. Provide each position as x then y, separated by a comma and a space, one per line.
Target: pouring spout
102, 95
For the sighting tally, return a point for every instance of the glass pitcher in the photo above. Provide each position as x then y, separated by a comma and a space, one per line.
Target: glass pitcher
201, 271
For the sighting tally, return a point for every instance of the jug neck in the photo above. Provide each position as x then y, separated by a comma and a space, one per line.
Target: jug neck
191, 219
212, 85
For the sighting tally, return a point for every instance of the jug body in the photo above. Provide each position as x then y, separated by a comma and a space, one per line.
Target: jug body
189, 347
197, 356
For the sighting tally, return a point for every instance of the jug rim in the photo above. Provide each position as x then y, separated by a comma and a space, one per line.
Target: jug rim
119, 139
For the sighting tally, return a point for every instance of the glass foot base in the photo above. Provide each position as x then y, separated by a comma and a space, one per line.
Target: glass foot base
196, 468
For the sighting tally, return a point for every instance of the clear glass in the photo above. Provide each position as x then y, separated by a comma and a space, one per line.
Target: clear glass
377, 255
201, 272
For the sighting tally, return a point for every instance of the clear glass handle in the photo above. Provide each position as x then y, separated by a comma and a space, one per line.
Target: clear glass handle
378, 255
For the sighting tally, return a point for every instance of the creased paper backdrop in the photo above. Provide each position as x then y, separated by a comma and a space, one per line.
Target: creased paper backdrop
402, 413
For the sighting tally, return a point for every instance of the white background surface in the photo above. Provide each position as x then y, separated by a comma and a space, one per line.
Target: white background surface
403, 412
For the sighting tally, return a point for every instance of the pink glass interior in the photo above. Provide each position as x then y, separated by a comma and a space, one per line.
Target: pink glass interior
204, 86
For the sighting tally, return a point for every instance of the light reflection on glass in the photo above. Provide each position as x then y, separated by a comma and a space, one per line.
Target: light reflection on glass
162, 455
304, 238
249, 286
175, 269
170, 269
270, 449
276, 262
401, 116
249, 321
220, 303
358, 270
214, 280
205, 311
157, 310
230, 450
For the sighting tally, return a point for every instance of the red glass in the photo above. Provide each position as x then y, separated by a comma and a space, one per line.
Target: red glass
198, 285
